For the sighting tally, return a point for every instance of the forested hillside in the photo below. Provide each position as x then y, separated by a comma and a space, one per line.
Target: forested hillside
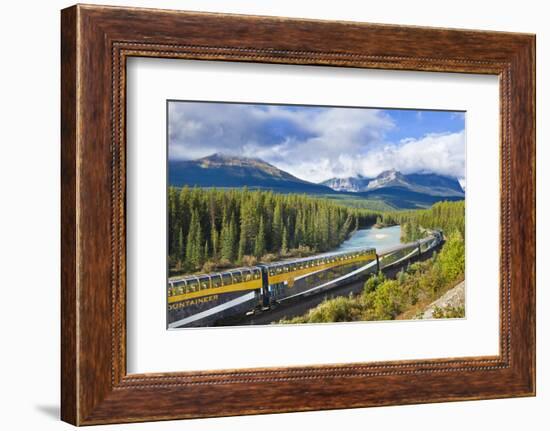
211, 228
447, 216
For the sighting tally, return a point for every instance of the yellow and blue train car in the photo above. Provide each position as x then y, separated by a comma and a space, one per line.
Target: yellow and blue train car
204, 299
312, 274
201, 300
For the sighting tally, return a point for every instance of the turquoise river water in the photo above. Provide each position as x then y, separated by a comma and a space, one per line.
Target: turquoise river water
372, 237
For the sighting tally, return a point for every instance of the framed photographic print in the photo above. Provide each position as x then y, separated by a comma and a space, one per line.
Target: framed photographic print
280, 207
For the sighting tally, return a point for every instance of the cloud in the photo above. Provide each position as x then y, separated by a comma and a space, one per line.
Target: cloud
313, 143
442, 153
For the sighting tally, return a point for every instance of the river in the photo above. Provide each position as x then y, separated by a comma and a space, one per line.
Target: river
379, 238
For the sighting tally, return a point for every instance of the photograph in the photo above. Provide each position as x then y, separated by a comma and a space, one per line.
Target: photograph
300, 214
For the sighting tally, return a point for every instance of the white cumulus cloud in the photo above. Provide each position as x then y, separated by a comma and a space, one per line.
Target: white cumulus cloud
314, 143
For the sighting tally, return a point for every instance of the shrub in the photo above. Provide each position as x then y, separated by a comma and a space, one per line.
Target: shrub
388, 300
452, 258
448, 312
269, 257
248, 260
373, 282
209, 266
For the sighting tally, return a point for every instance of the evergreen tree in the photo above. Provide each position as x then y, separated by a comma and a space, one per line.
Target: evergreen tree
214, 238
284, 245
259, 245
206, 250
193, 254
277, 232
180, 249
247, 228
228, 240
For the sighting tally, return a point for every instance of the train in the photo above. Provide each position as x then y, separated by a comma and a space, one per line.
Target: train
205, 299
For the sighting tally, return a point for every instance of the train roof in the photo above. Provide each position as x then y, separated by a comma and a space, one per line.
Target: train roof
320, 256
269, 265
212, 274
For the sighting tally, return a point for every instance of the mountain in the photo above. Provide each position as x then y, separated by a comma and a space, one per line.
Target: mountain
391, 178
390, 189
438, 185
348, 184
418, 190
431, 184
221, 170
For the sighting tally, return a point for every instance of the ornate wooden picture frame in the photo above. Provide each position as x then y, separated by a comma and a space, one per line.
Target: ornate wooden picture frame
96, 41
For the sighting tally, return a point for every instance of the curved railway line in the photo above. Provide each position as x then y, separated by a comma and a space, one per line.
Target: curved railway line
258, 294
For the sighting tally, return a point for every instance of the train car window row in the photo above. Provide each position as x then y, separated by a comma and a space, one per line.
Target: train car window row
228, 278
312, 263
204, 282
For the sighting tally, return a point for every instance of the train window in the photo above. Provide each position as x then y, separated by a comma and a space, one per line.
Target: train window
226, 279
216, 280
192, 285
237, 277
257, 274
204, 283
248, 276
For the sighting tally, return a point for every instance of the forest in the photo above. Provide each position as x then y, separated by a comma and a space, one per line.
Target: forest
210, 229
216, 228
415, 224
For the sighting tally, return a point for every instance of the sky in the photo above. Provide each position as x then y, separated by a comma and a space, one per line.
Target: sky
318, 143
